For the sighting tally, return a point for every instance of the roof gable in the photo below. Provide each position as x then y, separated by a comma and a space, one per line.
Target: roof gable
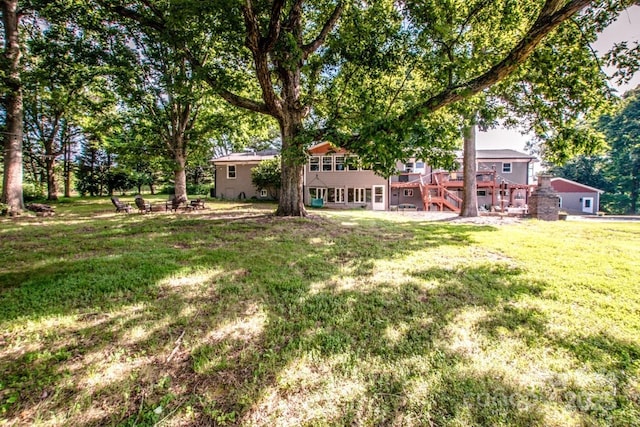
563, 185
324, 148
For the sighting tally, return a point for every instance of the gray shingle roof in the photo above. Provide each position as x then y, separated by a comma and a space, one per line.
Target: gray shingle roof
247, 156
502, 154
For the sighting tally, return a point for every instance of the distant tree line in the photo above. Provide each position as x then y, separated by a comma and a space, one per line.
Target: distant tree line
616, 170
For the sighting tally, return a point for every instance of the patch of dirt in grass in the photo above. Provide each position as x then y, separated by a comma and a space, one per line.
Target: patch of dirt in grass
487, 220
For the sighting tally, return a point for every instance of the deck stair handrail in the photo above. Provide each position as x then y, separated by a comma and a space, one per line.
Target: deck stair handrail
452, 199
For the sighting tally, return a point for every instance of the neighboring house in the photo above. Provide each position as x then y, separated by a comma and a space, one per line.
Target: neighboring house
233, 175
576, 198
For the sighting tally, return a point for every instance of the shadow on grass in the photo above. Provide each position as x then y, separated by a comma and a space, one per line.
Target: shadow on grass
266, 321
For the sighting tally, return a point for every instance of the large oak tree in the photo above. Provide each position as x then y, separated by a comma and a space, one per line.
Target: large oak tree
369, 76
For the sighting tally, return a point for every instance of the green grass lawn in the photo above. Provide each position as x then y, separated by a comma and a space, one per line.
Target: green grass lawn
230, 316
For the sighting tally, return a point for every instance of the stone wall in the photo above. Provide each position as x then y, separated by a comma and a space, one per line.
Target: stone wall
543, 202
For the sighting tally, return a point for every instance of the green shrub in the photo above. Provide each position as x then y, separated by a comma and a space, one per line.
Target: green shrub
31, 192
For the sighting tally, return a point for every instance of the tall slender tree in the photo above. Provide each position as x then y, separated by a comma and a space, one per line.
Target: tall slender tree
13, 105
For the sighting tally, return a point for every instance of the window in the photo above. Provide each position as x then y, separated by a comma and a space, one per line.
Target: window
264, 193
559, 202
408, 167
379, 193
339, 160
419, 165
339, 195
331, 193
587, 203
482, 193
506, 168
314, 163
231, 171
318, 193
327, 163
352, 163
408, 192
358, 195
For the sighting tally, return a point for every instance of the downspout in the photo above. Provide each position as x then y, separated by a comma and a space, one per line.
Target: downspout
304, 183
215, 181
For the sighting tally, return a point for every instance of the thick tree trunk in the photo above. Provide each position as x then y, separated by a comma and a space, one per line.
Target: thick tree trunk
469, 192
291, 202
12, 179
52, 183
180, 175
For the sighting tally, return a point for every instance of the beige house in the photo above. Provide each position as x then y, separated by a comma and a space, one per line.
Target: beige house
334, 178
233, 175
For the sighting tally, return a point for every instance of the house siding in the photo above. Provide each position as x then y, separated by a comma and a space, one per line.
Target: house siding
519, 169
572, 195
238, 188
572, 202
341, 181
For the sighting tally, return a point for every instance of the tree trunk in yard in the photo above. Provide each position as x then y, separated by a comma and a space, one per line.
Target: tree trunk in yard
469, 192
291, 202
12, 180
180, 177
67, 168
52, 183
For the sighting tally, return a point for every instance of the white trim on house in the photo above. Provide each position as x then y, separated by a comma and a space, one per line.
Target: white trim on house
235, 172
587, 204
378, 198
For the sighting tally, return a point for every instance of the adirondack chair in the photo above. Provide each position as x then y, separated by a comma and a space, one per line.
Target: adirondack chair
142, 205
120, 207
174, 203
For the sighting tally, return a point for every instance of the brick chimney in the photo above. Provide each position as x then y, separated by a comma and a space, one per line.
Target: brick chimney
543, 202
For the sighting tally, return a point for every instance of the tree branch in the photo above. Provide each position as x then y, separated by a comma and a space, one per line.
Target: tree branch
230, 97
246, 103
308, 49
267, 44
550, 17
261, 62
139, 18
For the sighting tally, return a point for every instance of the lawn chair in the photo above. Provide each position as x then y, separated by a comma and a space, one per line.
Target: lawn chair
174, 203
197, 204
142, 205
120, 207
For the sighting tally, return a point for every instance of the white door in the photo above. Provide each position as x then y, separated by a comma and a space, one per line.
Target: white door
587, 205
378, 198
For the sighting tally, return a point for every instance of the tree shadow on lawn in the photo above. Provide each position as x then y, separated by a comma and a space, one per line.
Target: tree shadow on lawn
269, 322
